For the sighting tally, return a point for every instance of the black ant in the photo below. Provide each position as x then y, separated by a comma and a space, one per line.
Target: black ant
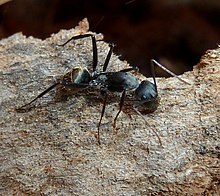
120, 81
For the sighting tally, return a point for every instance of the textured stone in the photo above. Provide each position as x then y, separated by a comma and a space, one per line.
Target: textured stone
52, 149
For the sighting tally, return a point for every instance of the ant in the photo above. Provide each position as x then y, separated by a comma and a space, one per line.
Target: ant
119, 81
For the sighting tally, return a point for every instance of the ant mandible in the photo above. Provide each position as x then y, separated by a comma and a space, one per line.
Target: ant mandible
119, 81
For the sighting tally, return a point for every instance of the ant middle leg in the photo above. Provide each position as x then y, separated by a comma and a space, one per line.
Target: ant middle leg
108, 57
136, 69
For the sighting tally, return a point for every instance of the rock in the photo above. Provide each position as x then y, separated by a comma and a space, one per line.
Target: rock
52, 149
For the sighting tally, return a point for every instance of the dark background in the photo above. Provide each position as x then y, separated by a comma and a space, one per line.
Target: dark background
175, 32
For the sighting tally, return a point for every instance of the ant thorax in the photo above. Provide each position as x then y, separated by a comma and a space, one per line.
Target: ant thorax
100, 79
117, 81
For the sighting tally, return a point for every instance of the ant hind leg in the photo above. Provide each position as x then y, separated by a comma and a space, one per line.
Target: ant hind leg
22, 108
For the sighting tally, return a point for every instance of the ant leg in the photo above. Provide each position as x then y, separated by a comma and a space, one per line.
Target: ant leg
40, 95
154, 62
108, 57
130, 69
158, 137
94, 48
95, 54
102, 114
76, 37
120, 107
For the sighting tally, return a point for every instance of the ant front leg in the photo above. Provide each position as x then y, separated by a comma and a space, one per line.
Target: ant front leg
120, 108
102, 114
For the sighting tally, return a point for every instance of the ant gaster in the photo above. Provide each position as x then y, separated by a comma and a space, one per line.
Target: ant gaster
119, 81
78, 77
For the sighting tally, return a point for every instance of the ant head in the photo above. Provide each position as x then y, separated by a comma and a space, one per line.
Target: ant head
146, 91
147, 97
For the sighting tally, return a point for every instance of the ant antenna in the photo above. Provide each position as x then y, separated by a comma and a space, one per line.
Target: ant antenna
167, 70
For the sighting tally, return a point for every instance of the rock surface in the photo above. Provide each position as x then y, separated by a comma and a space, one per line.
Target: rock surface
52, 149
